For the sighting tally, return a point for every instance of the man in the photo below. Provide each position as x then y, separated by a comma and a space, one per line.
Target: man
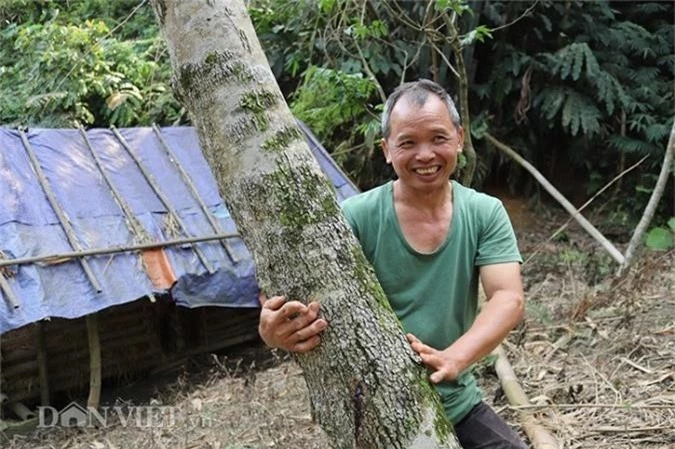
429, 240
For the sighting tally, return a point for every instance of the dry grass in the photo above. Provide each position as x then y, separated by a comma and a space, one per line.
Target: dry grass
605, 379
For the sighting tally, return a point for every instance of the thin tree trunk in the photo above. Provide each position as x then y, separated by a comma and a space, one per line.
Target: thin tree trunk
647, 216
588, 227
366, 388
622, 156
463, 90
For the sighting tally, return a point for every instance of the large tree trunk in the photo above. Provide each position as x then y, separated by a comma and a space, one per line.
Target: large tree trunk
366, 388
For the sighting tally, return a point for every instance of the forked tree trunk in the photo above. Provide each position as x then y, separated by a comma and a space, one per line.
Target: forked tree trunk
366, 389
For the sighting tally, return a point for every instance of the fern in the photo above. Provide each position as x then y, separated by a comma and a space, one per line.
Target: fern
629, 145
580, 114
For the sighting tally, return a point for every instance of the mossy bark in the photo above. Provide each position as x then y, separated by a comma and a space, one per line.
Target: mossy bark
366, 387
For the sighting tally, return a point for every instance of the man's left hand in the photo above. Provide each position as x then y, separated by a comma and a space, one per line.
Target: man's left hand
444, 367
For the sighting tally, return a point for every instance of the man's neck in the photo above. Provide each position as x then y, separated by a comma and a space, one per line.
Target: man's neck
429, 201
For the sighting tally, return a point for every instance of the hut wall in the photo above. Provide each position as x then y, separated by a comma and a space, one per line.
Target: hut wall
135, 338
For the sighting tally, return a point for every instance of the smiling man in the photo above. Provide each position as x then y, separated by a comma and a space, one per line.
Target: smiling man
430, 241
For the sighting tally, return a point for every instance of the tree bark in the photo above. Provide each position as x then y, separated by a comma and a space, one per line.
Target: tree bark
366, 386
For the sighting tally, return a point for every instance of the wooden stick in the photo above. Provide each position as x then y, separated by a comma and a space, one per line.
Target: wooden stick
136, 228
588, 227
8, 293
94, 362
188, 182
636, 366
539, 437
654, 199
63, 220
42, 363
155, 188
575, 406
59, 257
21, 410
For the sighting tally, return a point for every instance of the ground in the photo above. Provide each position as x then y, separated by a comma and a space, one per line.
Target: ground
595, 356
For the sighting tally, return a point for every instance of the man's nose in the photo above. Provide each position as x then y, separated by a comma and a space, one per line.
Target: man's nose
424, 152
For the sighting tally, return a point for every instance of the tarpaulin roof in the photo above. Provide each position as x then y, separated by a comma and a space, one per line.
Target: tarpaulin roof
117, 188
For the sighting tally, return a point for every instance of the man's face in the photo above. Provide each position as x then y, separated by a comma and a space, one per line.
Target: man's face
423, 143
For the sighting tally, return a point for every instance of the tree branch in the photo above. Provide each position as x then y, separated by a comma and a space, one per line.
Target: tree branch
653, 202
588, 227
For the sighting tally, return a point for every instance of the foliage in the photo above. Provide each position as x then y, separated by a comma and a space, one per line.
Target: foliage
661, 238
584, 88
332, 102
376, 45
59, 70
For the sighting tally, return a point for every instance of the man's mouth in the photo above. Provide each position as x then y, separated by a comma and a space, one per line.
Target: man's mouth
427, 170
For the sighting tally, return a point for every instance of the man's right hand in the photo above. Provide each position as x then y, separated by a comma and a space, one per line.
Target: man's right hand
291, 326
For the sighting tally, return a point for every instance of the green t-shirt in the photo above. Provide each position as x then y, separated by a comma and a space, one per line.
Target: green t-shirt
435, 296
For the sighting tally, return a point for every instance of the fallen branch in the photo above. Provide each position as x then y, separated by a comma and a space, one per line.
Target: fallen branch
654, 199
576, 406
592, 230
538, 435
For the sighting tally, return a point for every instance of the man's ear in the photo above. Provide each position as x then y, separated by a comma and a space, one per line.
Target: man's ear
460, 134
385, 150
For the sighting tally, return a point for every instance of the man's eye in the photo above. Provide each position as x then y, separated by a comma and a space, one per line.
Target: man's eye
405, 144
440, 139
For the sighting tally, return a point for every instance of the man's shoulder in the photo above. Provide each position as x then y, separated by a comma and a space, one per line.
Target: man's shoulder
366, 201
475, 200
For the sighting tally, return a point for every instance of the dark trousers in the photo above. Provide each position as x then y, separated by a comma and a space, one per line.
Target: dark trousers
482, 428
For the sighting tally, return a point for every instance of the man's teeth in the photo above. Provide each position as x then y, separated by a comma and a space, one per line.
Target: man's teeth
426, 171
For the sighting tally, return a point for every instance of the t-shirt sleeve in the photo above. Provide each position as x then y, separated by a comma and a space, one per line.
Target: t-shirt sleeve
348, 213
497, 241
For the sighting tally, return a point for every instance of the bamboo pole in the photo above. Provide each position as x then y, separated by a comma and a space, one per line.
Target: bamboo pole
62, 257
42, 363
63, 220
94, 361
538, 435
592, 230
195, 194
155, 188
134, 225
20, 410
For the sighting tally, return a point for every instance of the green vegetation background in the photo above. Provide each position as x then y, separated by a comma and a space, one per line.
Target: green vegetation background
581, 89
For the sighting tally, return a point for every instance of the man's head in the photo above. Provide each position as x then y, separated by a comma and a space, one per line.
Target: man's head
422, 135
417, 92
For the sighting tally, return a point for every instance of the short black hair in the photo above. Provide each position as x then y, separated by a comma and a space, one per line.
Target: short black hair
418, 92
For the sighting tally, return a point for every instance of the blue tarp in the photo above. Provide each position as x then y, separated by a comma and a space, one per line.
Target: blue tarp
29, 226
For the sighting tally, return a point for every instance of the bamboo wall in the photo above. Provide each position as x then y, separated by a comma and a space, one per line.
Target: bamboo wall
135, 338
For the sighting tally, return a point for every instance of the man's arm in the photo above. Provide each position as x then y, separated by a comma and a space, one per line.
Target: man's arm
499, 315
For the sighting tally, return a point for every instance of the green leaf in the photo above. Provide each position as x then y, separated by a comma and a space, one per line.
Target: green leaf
660, 239
671, 224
